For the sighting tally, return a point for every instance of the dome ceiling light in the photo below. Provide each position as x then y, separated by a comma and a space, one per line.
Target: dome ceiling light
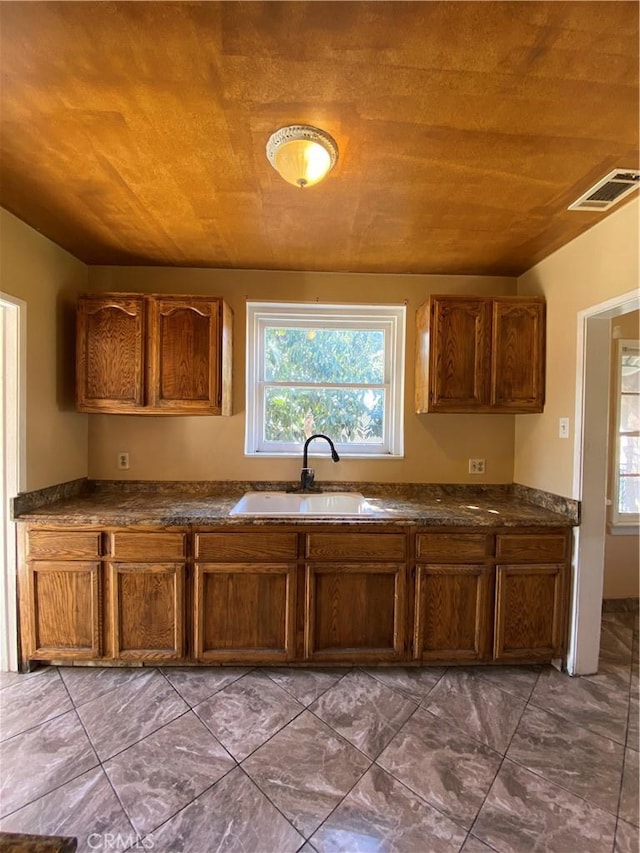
301, 154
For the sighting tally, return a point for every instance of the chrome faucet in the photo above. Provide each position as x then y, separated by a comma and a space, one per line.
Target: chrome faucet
307, 474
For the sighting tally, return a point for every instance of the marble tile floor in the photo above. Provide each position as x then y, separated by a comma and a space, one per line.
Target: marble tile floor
185, 760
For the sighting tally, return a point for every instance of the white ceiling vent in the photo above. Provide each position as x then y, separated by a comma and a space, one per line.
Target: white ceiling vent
608, 191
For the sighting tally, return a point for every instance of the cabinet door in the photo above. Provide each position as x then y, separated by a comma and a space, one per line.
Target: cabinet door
64, 610
460, 350
245, 611
530, 610
453, 616
184, 355
355, 611
147, 611
110, 354
518, 356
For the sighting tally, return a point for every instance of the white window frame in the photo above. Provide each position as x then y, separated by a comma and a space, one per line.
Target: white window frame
621, 522
391, 319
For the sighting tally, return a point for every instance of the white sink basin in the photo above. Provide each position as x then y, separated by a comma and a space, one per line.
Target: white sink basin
267, 504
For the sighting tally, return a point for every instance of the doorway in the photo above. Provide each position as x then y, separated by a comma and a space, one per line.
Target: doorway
590, 477
12, 471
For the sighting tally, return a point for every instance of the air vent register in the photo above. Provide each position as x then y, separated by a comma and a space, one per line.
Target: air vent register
608, 191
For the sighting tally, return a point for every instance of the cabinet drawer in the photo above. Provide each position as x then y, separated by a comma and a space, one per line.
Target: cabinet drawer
455, 547
63, 544
531, 547
356, 546
149, 546
249, 545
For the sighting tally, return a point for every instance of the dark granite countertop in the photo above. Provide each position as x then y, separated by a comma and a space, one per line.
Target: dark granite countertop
127, 503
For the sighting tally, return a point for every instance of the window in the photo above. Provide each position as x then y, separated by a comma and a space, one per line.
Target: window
333, 369
626, 496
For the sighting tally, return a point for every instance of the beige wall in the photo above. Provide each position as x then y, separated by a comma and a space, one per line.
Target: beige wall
437, 447
621, 561
600, 264
596, 266
47, 279
621, 552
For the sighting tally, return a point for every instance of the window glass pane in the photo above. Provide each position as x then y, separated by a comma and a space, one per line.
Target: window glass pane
629, 495
629, 454
630, 380
629, 413
346, 415
324, 355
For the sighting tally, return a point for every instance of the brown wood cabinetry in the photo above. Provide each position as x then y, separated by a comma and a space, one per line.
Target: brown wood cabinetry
355, 611
61, 595
153, 355
245, 596
517, 355
146, 577
283, 594
480, 354
453, 598
355, 601
110, 353
531, 597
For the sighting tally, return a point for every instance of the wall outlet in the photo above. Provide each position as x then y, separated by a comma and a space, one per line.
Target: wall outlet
476, 466
563, 428
123, 461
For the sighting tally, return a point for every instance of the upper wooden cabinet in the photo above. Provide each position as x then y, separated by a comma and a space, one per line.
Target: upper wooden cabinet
139, 354
480, 355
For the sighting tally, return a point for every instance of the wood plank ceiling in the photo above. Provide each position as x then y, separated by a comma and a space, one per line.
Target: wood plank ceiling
134, 133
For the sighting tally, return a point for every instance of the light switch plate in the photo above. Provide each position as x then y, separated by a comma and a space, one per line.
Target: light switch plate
563, 428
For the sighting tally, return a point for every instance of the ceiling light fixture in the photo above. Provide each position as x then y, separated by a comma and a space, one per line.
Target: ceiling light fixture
301, 154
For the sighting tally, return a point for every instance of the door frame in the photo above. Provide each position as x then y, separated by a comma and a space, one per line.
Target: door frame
590, 456
13, 321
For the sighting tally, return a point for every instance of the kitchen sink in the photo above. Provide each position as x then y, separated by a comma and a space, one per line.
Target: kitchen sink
337, 504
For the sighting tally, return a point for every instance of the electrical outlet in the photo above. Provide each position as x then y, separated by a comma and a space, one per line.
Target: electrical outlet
476, 466
563, 428
123, 461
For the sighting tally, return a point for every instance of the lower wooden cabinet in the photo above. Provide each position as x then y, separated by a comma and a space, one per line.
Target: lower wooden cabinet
245, 611
453, 596
453, 613
355, 612
61, 594
146, 574
530, 612
245, 595
531, 595
147, 611
355, 595
63, 610
277, 595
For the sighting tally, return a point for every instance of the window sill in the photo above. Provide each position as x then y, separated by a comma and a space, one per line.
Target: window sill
623, 529
286, 454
